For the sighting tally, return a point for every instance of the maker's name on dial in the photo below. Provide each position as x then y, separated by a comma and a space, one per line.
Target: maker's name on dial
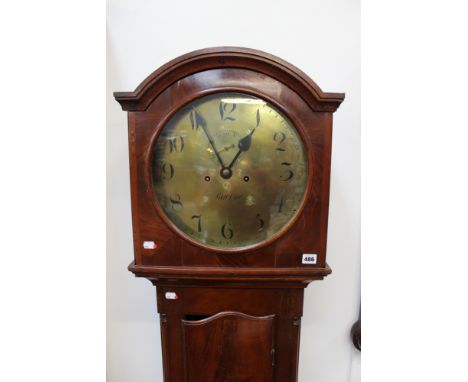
222, 196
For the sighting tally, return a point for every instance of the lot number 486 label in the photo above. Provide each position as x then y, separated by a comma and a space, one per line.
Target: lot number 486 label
309, 258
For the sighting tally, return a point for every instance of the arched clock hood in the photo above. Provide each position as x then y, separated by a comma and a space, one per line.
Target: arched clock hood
228, 57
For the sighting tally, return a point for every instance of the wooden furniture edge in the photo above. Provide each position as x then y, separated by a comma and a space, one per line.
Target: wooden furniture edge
227, 314
201, 60
304, 275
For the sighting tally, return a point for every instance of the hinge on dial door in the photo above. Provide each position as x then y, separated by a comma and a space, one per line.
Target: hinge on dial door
273, 357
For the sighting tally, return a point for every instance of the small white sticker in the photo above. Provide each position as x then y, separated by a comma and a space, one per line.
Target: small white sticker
171, 296
149, 245
309, 258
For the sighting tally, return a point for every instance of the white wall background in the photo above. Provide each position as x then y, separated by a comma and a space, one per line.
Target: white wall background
320, 37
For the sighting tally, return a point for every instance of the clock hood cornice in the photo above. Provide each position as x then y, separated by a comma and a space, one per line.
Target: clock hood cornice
228, 57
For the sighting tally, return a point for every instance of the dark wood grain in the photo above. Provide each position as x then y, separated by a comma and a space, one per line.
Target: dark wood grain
229, 346
238, 313
205, 303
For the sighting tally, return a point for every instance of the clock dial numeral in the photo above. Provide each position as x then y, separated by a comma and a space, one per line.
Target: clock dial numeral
198, 217
196, 120
281, 203
176, 202
280, 138
167, 170
226, 110
227, 232
290, 172
176, 144
261, 223
258, 117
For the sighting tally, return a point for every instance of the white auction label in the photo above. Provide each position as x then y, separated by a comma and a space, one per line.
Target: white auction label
309, 258
171, 296
149, 245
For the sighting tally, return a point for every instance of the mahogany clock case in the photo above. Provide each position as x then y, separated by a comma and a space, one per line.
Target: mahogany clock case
230, 315
241, 70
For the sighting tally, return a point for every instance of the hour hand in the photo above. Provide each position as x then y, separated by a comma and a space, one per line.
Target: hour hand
244, 145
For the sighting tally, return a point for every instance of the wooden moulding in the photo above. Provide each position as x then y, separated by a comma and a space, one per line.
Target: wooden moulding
228, 57
229, 274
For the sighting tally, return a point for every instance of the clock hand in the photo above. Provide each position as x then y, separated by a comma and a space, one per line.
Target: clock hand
201, 122
244, 145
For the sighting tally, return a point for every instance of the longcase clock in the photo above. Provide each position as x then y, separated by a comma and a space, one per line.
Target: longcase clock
230, 153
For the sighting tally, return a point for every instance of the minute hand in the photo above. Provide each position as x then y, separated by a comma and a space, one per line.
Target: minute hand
244, 145
202, 123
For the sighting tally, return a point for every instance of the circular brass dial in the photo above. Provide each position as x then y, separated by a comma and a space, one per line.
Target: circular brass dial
229, 171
